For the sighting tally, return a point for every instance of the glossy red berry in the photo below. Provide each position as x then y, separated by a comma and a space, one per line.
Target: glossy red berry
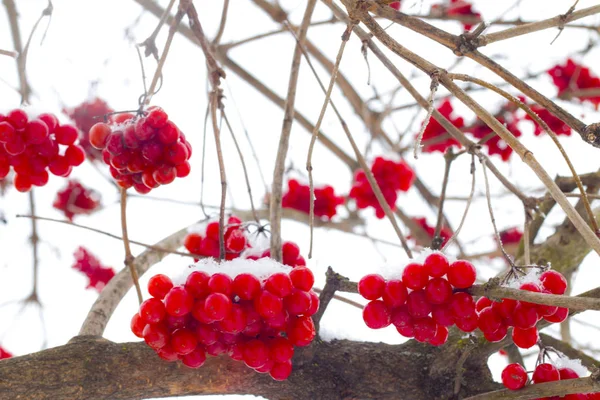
137, 325
559, 316
371, 287
217, 306
436, 265
438, 291
415, 276
246, 286
183, 341
514, 377
279, 284
545, 373
195, 359
462, 305
524, 317
418, 305
525, 338
301, 331
281, 349
424, 329
159, 285
376, 315
488, 320
152, 311
155, 336
440, 337
554, 282
395, 293
461, 274
268, 304
178, 301
197, 284
66, 134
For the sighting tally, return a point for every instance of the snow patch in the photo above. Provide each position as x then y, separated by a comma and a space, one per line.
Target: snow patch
575, 365
533, 276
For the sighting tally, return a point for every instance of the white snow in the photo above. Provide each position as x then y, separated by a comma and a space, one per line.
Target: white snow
575, 365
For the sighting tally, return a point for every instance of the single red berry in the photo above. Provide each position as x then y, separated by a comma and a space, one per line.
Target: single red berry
155, 336
371, 286
99, 134
376, 315
279, 284
424, 329
545, 373
298, 302
468, 323
212, 230
524, 317
559, 316
436, 265
50, 120
168, 133
544, 310
17, 118
174, 323
75, 155
554, 282
489, 320
440, 337
395, 293
217, 306
36, 132
236, 241
137, 325
246, 286
22, 183
302, 278
525, 338
178, 301
438, 291
281, 371
66, 134
157, 117
220, 283
290, 252
301, 331
461, 274
418, 305
197, 284
164, 175
505, 307
462, 305
482, 303
195, 359
415, 276
255, 353
235, 322
268, 304
7, 132
183, 169
496, 335
314, 304
442, 315
281, 350
514, 377
167, 353
567, 373
183, 341
152, 311
192, 242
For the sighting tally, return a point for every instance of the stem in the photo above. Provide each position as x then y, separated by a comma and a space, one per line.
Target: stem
469, 201
34, 245
214, 103
437, 241
222, 23
128, 256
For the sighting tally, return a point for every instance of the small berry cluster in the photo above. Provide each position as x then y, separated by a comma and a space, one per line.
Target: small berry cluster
445, 232
298, 198
86, 115
143, 152
514, 377
554, 123
494, 318
457, 8
4, 353
391, 176
90, 265
511, 236
423, 303
31, 147
251, 320
435, 137
495, 144
573, 76
76, 199
207, 245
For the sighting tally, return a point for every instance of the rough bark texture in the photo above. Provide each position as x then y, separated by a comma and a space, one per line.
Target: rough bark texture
91, 368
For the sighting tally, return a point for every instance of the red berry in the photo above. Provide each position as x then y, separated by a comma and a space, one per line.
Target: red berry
281, 371
206, 335
221, 283
545, 310
371, 286
468, 323
525, 338
50, 120
155, 336
192, 242
268, 304
22, 183
195, 359
183, 169
298, 303
183, 341
301, 331
164, 175
167, 353
395, 293
554, 282
217, 306
281, 349
157, 117
524, 317
488, 320
424, 329
376, 315
159, 285
462, 305
461, 274
152, 311
440, 337
514, 377
178, 301
545, 373
436, 265
314, 304
290, 252
417, 303
137, 325
66, 134
255, 353
567, 373
197, 284
438, 291
99, 135
236, 241
496, 335
442, 315
559, 316
60, 167
168, 133
279, 284
415, 276
482, 303
235, 322
17, 118
75, 155
302, 278
7, 132
246, 286
36, 132
531, 287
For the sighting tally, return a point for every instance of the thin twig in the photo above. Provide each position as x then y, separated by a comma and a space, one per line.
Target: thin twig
221, 30
34, 245
449, 157
8, 53
128, 256
433, 89
469, 201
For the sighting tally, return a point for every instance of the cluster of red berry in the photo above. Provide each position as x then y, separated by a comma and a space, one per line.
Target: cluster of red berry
457, 8
495, 144
4, 353
90, 265
257, 321
494, 318
207, 245
445, 232
86, 115
554, 123
298, 198
514, 377
574, 76
511, 236
76, 199
32, 148
435, 136
143, 152
430, 307
391, 176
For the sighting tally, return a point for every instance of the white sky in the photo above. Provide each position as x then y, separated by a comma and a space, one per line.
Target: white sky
86, 43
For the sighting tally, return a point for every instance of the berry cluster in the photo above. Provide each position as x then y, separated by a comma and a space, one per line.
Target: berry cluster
76, 199
494, 318
391, 176
298, 198
445, 232
86, 115
514, 377
554, 123
423, 304
257, 321
435, 137
573, 76
511, 236
31, 147
4, 354
396, 5
457, 8
143, 152
495, 144
91, 266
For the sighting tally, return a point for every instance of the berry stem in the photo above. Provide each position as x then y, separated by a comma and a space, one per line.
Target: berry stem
34, 245
215, 101
128, 255
449, 157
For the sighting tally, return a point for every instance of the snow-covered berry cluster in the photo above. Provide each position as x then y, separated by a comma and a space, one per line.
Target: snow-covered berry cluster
75, 199
255, 311
144, 152
423, 303
90, 265
298, 197
494, 318
391, 176
35, 146
86, 115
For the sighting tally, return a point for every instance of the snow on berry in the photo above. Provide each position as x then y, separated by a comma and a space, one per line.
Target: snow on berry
90, 265
4, 353
435, 137
391, 176
422, 301
142, 151
76, 199
298, 198
255, 311
36, 146
86, 115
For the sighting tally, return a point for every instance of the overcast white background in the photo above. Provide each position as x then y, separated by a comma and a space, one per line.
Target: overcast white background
89, 50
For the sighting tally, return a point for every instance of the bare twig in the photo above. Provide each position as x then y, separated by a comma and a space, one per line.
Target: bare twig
469, 200
221, 30
128, 256
433, 89
449, 157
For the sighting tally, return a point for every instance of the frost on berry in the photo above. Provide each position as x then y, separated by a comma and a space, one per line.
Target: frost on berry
76, 199
90, 265
254, 311
391, 176
326, 201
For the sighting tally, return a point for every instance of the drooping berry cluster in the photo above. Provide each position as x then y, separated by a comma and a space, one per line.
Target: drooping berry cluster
86, 115
554, 123
494, 318
458, 8
90, 265
257, 321
423, 304
572, 77
35, 146
76, 199
445, 232
435, 137
298, 198
4, 353
514, 377
143, 152
391, 176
